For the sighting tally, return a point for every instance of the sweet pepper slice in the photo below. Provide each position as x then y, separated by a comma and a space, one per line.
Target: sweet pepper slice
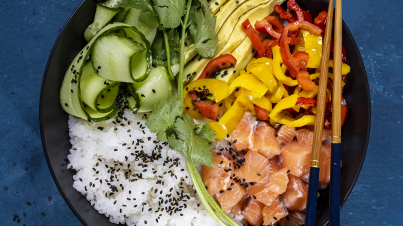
282, 118
278, 72
263, 72
207, 108
217, 64
254, 37
249, 82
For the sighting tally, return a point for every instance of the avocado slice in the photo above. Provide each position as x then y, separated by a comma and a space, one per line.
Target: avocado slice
225, 12
215, 5
238, 35
231, 21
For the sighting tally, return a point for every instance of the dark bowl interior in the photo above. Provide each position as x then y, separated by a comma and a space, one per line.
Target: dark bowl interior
54, 128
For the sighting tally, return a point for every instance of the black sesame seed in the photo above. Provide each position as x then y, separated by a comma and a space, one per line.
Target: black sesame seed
221, 191
288, 171
275, 218
66, 104
153, 90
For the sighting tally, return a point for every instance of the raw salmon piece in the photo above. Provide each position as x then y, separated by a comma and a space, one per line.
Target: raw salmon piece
274, 212
296, 194
305, 136
237, 209
305, 178
242, 137
266, 143
285, 135
217, 178
261, 193
296, 157
325, 157
278, 181
293, 219
252, 211
231, 196
255, 168
274, 163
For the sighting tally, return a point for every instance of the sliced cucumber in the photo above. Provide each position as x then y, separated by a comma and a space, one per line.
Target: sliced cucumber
155, 88
141, 63
98, 93
70, 92
112, 57
103, 15
132, 18
121, 15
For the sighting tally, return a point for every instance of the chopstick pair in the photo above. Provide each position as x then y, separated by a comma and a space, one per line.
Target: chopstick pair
336, 122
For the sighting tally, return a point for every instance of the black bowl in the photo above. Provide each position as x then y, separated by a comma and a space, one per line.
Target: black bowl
56, 141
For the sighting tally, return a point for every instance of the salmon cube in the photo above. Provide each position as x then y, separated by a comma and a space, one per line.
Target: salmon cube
296, 194
278, 181
274, 212
305, 136
266, 142
237, 209
285, 135
231, 196
218, 177
261, 193
325, 163
255, 168
243, 137
293, 219
252, 211
296, 157
274, 163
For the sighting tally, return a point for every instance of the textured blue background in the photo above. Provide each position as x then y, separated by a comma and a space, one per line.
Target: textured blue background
28, 30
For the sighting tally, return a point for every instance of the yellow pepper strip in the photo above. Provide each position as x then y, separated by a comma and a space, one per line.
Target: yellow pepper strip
233, 116
277, 61
313, 46
262, 102
276, 96
306, 94
229, 101
189, 108
247, 103
249, 82
329, 94
283, 68
263, 72
345, 69
329, 75
278, 116
218, 88
263, 60
220, 131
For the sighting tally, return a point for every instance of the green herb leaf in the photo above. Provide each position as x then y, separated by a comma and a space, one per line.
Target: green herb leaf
204, 131
164, 114
159, 51
205, 7
203, 33
150, 19
194, 148
137, 4
170, 12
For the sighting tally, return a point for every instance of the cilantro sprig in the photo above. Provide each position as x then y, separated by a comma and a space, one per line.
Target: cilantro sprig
191, 19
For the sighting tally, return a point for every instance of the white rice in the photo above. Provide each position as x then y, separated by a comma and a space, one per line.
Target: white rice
164, 195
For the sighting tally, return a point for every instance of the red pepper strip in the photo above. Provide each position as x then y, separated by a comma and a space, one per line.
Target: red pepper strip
308, 111
288, 59
261, 114
305, 81
257, 43
293, 40
217, 64
277, 24
302, 58
320, 20
306, 101
284, 15
266, 27
206, 107
292, 5
307, 16
269, 52
267, 43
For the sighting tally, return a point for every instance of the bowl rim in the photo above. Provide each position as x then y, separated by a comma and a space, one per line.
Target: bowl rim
66, 199
52, 52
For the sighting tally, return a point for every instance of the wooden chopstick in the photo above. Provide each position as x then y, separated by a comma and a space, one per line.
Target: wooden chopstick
336, 120
319, 119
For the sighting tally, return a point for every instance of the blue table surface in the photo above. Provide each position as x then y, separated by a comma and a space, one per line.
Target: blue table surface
28, 30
